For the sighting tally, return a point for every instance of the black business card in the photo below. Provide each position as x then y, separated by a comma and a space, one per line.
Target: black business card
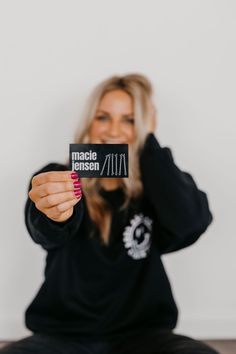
99, 160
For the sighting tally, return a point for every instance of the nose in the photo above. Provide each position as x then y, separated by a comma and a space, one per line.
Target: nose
114, 129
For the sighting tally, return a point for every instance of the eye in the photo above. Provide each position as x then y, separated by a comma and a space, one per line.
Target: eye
129, 120
102, 117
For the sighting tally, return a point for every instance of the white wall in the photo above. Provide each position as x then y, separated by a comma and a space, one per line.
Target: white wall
52, 53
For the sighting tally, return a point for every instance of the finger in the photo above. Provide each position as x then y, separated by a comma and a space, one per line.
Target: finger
58, 210
52, 200
52, 176
54, 187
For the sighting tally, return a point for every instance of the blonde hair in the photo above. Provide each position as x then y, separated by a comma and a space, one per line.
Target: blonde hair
140, 89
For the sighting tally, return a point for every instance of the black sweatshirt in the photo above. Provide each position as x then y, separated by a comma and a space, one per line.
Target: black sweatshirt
93, 291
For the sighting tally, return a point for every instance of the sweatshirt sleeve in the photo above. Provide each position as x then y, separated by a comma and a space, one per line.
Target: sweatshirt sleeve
44, 231
181, 209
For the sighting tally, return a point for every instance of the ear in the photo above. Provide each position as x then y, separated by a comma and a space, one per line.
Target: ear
153, 119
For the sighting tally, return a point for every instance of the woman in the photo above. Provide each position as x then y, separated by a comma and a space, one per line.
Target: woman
105, 287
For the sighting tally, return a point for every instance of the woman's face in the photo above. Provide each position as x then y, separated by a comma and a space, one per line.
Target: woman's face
114, 120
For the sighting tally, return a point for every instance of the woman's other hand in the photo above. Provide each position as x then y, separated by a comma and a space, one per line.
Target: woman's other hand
55, 193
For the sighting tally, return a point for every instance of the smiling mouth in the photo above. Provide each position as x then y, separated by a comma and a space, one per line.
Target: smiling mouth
111, 142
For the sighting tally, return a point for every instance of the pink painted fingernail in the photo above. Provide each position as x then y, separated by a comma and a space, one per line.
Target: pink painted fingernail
78, 194
77, 184
78, 191
77, 188
74, 175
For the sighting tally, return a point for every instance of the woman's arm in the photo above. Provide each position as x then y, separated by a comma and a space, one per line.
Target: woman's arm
44, 231
182, 209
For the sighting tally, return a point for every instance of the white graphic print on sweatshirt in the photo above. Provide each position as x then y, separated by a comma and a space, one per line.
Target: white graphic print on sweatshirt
137, 236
